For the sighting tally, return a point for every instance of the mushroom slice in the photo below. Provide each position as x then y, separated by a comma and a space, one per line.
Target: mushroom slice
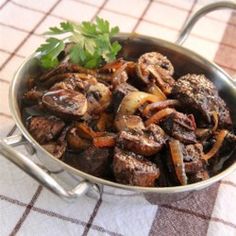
99, 97
65, 103
154, 67
179, 126
119, 93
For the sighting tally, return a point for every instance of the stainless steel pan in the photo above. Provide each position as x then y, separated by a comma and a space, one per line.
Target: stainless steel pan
70, 183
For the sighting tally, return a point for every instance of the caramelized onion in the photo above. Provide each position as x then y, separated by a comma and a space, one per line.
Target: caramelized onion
216, 120
219, 141
76, 142
177, 159
159, 106
86, 132
159, 116
104, 141
112, 66
202, 133
105, 120
134, 100
155, 90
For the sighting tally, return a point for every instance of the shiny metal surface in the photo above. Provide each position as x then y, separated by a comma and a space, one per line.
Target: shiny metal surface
185, 31
36, 172
185, 61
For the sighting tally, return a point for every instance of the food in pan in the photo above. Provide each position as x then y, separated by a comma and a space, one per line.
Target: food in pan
129, 121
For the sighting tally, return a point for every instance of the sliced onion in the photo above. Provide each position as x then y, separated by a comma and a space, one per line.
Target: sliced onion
159, 106
105, 120
155, 90
177, 159
159, 116
215, 120
76, 142
112, 66
104, 141
85, 131
202, 132
132, 101
217, 145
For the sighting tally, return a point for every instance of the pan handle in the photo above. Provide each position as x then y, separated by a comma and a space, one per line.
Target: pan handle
185, 31
36, 172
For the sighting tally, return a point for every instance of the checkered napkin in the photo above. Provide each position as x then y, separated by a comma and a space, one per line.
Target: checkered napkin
26, 208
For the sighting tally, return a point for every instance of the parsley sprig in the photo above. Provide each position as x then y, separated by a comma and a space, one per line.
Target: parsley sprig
91, 44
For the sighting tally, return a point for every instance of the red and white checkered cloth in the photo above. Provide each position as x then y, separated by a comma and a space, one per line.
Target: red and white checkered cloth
26, 208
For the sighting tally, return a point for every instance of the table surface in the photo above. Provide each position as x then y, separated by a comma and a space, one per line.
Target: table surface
26, 208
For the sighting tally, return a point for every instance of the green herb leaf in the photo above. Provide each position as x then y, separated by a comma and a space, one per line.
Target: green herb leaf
65, 27
91, 44
77, 55
102, 25
49, 52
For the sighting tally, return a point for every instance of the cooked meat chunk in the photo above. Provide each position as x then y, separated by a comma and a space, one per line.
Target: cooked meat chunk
94, 161
186, 161
180, 127
133, 169
193, 161
45, 129
198, 176
65, 68
65, 103
75, 81
114, 72
119, 77
200, 94
128, 122
57, 149
144, 142
119, 93
164, 179
228, 145
154, 67
33, 96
